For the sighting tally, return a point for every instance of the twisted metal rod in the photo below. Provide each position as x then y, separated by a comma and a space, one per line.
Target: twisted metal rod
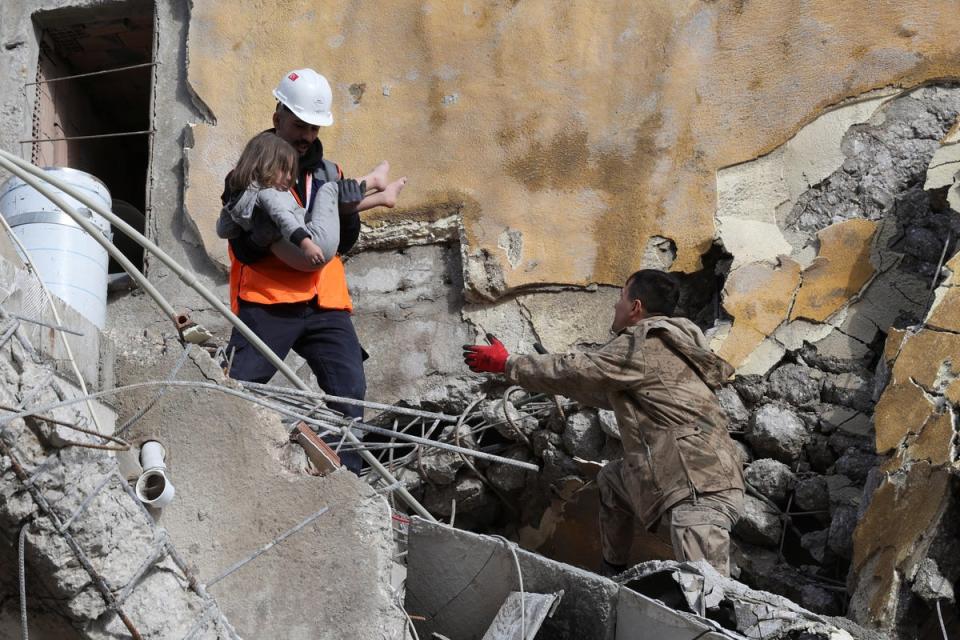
96, 578
22, 571
327, 421
256, 554
367, 404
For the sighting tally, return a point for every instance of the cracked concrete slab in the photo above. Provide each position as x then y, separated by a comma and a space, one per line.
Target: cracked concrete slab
240, 484
758, 296
894, 535
901, 409
839, 271
934, 443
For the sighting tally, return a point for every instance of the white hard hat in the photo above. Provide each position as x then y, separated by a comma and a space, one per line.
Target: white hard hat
307, 94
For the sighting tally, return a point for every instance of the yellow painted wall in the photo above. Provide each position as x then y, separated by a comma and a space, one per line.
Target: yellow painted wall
585, 126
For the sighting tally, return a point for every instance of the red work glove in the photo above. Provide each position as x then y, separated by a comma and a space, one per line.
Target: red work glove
483, 359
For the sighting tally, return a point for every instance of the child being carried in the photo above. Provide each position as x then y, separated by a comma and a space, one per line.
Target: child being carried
262, 205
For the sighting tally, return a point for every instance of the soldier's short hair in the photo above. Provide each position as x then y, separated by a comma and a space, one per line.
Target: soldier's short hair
658, 291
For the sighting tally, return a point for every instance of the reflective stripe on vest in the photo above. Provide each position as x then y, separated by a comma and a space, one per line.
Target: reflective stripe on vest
271, 281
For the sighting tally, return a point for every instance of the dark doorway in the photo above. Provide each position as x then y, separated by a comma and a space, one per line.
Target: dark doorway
94, 102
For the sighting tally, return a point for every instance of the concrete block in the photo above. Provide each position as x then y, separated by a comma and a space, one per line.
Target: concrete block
22, 295
236, 493
458, 580
636, 612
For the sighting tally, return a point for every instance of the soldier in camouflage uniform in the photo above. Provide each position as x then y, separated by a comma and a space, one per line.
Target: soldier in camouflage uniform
680, 467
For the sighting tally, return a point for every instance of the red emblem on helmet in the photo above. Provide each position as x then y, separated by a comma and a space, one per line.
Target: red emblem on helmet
293, 76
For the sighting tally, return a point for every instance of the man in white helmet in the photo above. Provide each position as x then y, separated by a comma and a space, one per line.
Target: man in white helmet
308, 312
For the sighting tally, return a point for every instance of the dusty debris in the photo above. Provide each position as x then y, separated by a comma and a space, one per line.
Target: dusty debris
697, 588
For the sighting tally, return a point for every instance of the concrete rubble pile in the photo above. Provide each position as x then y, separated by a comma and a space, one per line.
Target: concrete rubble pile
796, 166
459, 583
96, 566
696, 588
802, 408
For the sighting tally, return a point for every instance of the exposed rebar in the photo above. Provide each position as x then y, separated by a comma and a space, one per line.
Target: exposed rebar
268, 546
55, 327
367, 404
22, 571
96, 579
92, 73
97, 136
339, 423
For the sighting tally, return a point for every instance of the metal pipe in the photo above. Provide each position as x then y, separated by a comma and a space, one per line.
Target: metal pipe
278, 390
331, 421
121, 134
92, 73
7, 158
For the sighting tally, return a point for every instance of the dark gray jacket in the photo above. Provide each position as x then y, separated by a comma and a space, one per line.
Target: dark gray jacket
274, 219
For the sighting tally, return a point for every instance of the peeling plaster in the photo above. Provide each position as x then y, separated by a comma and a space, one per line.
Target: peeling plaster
839, 271
408, 233
754, 197
660, 253
511, 241
752, 240
705, 87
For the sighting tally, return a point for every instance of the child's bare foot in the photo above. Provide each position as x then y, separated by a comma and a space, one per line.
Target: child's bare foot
377, 179
392, 191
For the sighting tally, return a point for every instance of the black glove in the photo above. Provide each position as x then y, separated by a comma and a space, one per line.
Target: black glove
351, 191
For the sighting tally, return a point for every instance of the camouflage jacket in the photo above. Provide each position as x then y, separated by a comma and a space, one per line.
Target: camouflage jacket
658, 378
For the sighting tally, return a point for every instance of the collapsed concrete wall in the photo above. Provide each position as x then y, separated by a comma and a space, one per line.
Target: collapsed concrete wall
831, 242
861, 242
458, 580
94, 563
240, 484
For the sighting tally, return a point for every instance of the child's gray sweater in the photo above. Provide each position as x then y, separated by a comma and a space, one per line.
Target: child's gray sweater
271, 215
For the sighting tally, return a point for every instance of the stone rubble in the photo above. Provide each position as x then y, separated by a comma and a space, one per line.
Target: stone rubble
84, 488
771, 478
804, 424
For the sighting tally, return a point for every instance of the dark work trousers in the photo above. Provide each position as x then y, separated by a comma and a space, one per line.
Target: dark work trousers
324, 338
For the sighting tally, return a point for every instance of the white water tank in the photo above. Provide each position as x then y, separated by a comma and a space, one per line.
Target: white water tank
71, 263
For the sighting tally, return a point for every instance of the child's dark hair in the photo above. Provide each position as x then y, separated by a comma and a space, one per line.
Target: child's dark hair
656, 290
265, 156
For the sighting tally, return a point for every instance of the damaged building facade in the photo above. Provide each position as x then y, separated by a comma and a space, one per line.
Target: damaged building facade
794, 166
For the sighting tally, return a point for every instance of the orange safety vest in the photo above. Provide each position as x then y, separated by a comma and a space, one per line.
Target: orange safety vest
272, 281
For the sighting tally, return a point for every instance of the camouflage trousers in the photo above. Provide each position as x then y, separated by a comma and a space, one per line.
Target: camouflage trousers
699, 528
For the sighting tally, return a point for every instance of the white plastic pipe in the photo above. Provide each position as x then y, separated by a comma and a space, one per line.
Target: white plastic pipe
154, 488
22, 168
152, 455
